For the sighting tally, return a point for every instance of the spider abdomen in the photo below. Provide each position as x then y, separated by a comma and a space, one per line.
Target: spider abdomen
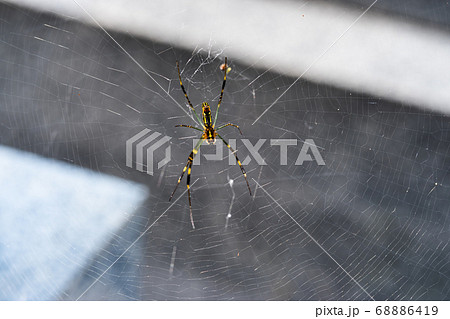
207, 119
209, 133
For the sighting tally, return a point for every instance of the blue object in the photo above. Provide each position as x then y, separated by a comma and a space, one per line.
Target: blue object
54, 217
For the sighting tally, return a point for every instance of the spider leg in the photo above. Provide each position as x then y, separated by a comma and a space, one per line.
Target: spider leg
230, 124
190, 159
221, 92
188, 167
185, 94
189, 126
188, 182
240, 165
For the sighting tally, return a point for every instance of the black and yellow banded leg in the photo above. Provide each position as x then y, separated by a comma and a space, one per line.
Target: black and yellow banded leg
223, 88
239, 162
230, 124
188, 167
189, 126
188, 183
185, 94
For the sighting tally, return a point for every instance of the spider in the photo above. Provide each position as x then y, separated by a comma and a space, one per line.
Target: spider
209, 134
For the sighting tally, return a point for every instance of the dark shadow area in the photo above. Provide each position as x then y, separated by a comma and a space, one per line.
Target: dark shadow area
432, 12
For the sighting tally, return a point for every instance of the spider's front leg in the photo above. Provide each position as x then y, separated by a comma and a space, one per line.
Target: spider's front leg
238, 161
188, 180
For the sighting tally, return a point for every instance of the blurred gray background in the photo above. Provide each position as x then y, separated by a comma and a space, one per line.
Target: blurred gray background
367, 81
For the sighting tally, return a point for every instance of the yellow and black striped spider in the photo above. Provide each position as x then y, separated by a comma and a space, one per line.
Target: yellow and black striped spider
209, 134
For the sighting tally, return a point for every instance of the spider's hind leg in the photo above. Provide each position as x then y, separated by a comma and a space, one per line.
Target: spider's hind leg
189, 126
229, 124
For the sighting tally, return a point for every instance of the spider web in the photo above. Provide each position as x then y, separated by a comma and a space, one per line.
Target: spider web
370, 224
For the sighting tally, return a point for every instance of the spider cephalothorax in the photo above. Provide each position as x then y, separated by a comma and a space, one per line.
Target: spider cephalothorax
209, 134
